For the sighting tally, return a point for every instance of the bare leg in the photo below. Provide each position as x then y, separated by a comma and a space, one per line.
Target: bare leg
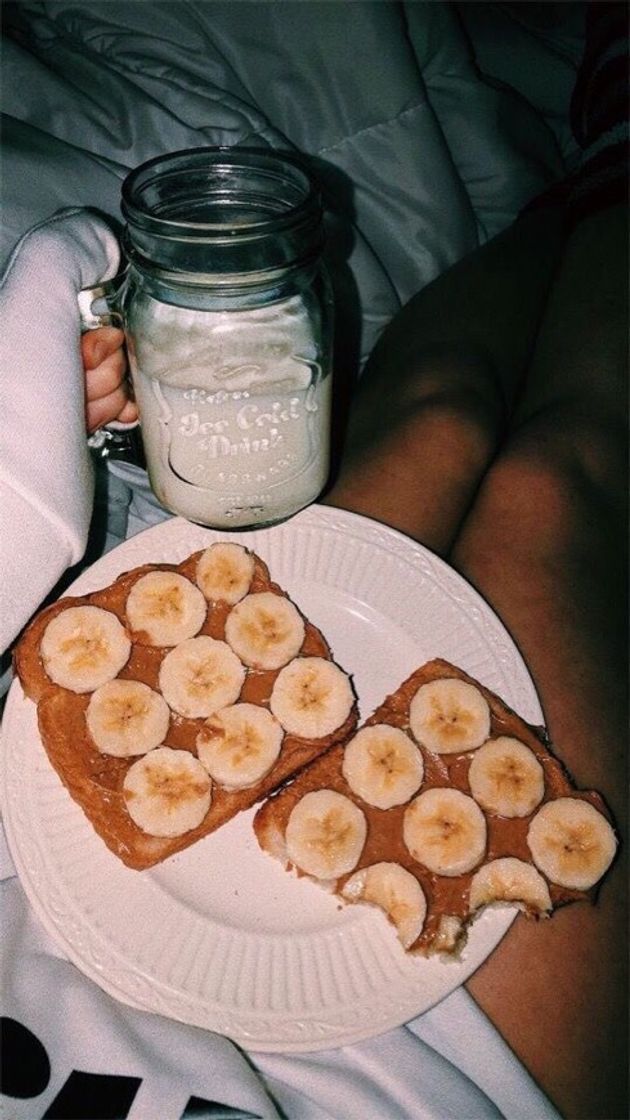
545, 543
432, 404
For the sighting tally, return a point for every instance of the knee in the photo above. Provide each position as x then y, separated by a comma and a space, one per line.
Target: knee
457, 427
463, 380
458, 393
445, 403
581, 457
554, 485
529, 489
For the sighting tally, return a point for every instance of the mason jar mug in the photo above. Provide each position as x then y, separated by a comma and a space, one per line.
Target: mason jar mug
227, 311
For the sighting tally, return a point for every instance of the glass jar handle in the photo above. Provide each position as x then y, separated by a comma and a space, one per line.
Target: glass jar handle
97, 308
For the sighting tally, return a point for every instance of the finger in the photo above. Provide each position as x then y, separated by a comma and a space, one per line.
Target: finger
105, 409
98, 344
129, 413
108, 376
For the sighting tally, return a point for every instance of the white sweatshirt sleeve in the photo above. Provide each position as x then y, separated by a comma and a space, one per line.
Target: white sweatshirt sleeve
46, 481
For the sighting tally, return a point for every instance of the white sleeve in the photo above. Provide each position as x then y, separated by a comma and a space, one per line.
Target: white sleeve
46, 481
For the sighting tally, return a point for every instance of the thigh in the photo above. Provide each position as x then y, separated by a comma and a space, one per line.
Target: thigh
580, 366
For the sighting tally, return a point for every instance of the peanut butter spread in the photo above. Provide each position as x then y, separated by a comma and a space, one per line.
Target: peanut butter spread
95, 779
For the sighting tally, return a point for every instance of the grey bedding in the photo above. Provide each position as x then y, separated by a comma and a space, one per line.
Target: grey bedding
430, 124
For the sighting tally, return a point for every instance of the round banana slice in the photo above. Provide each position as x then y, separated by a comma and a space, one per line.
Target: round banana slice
239, 745
449, 716
126, 718
199, 676
383, 766
165, 608
509, 880
396, 891
167, 792
225, 572
445, 830
325, 834
311, 697
265, 630
505, 777
83, 647
571, 842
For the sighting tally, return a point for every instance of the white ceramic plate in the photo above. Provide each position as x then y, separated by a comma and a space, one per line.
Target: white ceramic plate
219, 936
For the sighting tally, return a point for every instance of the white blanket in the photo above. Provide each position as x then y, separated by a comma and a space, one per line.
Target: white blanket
446, 1065
430, 125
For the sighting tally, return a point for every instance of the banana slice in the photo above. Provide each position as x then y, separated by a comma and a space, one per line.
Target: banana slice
445, 830
126, 717
448, 716
396, 891
311, 697
83, 647
225, 572
383, 766
167, 792
450, 935
165, 608
239, 745
509, 880
265, 630
325, 834
505, 777
199, 676
571, 842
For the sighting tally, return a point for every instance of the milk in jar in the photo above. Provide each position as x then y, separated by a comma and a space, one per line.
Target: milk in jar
235, 409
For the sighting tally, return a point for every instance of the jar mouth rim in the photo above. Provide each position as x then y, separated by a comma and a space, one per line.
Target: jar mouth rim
221, 161
257, 278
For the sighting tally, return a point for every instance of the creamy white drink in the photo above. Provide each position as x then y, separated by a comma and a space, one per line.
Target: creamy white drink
234, 408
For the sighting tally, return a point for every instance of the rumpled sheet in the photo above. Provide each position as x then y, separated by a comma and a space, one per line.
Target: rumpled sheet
74, 1051
430, 125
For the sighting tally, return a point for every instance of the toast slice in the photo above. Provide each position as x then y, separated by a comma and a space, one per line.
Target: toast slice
443, 802
217, 600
